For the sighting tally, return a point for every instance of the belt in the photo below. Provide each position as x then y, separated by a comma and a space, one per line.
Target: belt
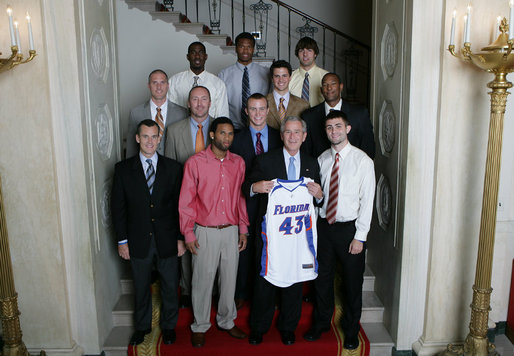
219, 227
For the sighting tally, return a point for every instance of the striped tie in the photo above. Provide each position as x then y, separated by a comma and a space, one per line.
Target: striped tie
281, 110
333, 192
245, 95
150, 175
195, 84
159, 120
305, 88
259, 148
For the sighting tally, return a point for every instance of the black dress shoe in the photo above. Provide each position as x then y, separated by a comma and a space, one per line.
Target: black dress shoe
314, 333
351, 343
168, 336
185, 301
139, 336
287, 337
255, 338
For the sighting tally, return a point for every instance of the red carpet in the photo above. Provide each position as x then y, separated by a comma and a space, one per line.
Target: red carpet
219, 343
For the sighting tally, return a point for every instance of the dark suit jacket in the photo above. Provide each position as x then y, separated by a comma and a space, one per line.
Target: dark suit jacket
295, 107
243, 146
137, 215
360, 136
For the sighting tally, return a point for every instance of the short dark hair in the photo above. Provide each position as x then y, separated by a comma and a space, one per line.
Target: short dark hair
147, 123
245, 35
194, 44
157, 71
306, 42
337, 114
198, 86
219, 121
332, 73
280, 64
257, 96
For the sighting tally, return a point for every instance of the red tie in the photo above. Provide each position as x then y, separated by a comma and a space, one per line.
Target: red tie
333, 192
258, 145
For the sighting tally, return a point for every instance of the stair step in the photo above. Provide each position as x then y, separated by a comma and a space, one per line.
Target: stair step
379, 339
216, 40
369, 281
122, 314
117, 341
169, 17
194, 28
372, 308
127, 286
143, 5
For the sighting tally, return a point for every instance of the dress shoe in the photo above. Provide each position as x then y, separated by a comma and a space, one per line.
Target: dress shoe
240, 302
255, 338
198, 339
287, 337
168, 336
351, 343
234, 332
139, 336
314, 333
185, 301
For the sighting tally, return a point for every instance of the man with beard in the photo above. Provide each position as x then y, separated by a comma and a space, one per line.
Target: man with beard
181, 83
214, 223
348, 180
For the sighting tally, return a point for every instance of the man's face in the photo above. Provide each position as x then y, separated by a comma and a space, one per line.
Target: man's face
337, 131
293, 136
331, 88
244, 50
148, 139
281, 79
158, 86
306, 57
223, 137
199, 103
196, 57
257, 111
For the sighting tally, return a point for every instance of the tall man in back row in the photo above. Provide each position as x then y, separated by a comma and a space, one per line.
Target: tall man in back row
348, 180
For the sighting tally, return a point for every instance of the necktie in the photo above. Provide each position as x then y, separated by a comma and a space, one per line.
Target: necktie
305, 87
150, 175
159, 120
281, 110
195, 84
333, 192
245, 95
291, 172
200, 142
259, 148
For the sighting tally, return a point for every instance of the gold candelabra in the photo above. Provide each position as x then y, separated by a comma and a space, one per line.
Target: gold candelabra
497, 58
15, 59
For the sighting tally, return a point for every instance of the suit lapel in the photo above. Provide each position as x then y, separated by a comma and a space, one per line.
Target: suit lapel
161, 170
139, 175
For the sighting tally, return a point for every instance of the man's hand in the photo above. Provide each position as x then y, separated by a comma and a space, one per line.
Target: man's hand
315, 190
181, 247
192, 246
123, 251
242, 242
263, 186
355, 247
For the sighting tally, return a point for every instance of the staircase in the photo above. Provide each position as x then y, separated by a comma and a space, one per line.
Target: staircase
371, 320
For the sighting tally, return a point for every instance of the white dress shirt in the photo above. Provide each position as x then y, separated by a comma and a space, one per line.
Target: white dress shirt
277, 97
338, 106
164, 111
181, 83
356, 187
145, 164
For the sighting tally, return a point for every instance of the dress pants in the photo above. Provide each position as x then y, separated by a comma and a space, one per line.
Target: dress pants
333, 244
142, 274
186, 273
218, 251
245, 270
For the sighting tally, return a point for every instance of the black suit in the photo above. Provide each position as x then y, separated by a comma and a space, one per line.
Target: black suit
269, 166
150, 224
360, 136
244, 147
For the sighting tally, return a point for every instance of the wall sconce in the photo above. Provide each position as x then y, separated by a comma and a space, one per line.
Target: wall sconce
16, 56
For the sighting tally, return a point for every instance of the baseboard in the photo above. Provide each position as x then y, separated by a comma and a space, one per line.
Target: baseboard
423, 348
76, 350
395, 352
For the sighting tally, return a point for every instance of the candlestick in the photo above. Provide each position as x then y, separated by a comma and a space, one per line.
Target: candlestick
465, 27
17, 36
468, 26
31, 38
452, 33
511, 20
11, 28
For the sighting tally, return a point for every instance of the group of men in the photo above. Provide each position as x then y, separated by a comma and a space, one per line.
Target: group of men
198, 184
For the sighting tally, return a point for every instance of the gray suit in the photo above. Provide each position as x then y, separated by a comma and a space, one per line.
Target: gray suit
179, 145
142, 112
295, 107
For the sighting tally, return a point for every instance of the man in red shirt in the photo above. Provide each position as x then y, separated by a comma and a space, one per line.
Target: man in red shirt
214, 223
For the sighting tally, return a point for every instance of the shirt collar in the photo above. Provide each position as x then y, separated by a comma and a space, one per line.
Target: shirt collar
277, 97
343, 153
338, 106
143, 159
203, 123
264, 131
303, 71
211, 155
242, 67
287, 155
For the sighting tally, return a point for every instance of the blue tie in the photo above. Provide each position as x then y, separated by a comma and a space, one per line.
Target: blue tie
245, 95
150, 175
291, 172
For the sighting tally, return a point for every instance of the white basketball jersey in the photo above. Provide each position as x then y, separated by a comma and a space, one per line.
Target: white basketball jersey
289, 234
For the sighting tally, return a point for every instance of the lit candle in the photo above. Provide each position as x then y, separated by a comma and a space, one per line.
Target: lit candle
498, 23
468, 26
452, 33
17, 36
9, 13
31, 39
511, 20
465, 27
